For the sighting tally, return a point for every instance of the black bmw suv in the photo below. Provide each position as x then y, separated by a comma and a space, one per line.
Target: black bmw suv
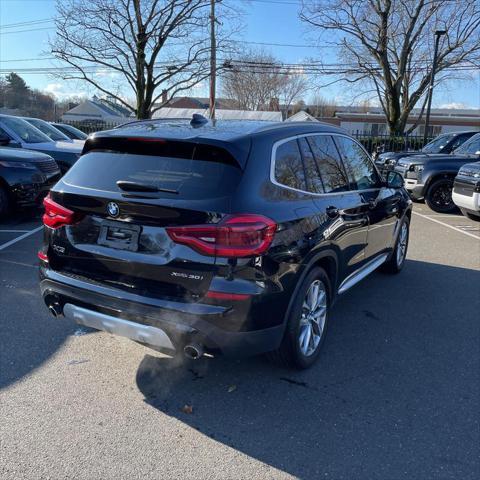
226, 237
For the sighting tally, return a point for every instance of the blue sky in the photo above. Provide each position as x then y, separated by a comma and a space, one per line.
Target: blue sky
265, 21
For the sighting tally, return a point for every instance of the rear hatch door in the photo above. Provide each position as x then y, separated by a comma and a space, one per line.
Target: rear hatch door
125, 192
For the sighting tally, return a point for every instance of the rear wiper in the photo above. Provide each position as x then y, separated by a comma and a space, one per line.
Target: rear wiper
127, 186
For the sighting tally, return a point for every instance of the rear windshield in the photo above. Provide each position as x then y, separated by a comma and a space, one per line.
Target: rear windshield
193, 178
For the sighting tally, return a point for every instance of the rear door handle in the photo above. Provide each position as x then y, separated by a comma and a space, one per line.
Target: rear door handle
332, 212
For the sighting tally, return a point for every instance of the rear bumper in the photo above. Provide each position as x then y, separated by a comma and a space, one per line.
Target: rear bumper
173, 324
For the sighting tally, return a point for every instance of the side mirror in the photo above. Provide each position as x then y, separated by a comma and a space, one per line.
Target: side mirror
4, 139
394, 180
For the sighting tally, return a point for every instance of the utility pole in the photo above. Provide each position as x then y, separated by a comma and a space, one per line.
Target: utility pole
438, 34
213, 59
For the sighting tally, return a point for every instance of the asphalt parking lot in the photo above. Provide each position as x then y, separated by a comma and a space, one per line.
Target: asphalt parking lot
395, 394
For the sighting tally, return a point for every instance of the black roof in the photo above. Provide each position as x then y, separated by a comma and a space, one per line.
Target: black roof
220, 130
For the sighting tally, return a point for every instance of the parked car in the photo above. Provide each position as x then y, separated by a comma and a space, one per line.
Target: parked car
233, 237
445, 143
430, 177
18, 133
25, 178
70, 131
466, 190
51, 132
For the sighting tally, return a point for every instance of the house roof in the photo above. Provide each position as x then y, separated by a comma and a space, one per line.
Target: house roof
186, 113
301, 116
201, 102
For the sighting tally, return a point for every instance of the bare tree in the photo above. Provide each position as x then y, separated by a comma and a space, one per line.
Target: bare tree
156, 48
294, 85
388, 44
258, 81
322, 107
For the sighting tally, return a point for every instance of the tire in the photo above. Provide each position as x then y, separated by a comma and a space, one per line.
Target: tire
397, 259
439, 196
4, 202
292, 352
469, 215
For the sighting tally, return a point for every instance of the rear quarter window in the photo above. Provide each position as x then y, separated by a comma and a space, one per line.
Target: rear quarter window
289, 169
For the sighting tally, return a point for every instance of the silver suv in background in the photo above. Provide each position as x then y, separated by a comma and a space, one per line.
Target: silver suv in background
18, 133
50, 131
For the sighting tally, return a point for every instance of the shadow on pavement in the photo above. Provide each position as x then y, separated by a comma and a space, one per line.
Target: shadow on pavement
29, 336
394, 395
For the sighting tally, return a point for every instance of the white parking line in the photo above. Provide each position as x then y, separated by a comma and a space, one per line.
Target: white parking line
447, 225
21, 237
14, 231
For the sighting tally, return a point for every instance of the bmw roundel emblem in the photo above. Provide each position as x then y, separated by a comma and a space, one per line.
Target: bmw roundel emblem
113, 209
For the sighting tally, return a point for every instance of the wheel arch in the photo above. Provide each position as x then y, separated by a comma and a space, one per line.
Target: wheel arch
433, 177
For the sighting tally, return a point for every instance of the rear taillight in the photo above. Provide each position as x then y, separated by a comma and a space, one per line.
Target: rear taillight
56, 215
42, 256
235, 236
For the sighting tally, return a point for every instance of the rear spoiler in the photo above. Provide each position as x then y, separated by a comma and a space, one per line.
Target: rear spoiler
210, 150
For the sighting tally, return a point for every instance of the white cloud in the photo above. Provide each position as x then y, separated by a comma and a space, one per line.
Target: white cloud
59, 92
455, 106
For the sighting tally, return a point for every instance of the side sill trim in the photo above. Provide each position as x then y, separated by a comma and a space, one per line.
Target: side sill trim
361, 273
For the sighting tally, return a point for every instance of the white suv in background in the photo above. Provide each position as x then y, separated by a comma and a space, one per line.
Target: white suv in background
466, 190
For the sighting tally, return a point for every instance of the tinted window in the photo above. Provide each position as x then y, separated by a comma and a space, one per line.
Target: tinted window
313, 179
470, 146
360, 168
326, 155
24, 130
459, 140
48, 130
193, 178
289, 167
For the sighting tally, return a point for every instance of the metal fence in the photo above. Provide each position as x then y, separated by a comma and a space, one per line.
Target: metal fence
92, 127
374, 144
386, 143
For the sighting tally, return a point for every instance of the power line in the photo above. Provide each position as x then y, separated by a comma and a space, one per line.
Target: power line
27, 31
30, 22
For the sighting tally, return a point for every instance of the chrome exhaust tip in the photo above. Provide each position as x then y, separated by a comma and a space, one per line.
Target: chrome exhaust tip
55, 309
193, 351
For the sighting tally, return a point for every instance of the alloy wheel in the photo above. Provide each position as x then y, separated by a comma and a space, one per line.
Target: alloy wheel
442, 195
314, 315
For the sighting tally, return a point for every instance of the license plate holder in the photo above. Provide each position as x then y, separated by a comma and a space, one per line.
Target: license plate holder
119, 235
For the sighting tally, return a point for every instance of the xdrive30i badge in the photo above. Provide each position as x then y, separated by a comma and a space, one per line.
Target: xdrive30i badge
113, 209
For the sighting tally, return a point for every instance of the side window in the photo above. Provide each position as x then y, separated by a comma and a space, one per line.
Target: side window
359, 166
289, 167
312, 173
462, 138
329, 165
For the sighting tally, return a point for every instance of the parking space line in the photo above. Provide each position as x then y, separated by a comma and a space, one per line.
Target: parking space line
14, 231
21, 237
447, 225
443, 215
